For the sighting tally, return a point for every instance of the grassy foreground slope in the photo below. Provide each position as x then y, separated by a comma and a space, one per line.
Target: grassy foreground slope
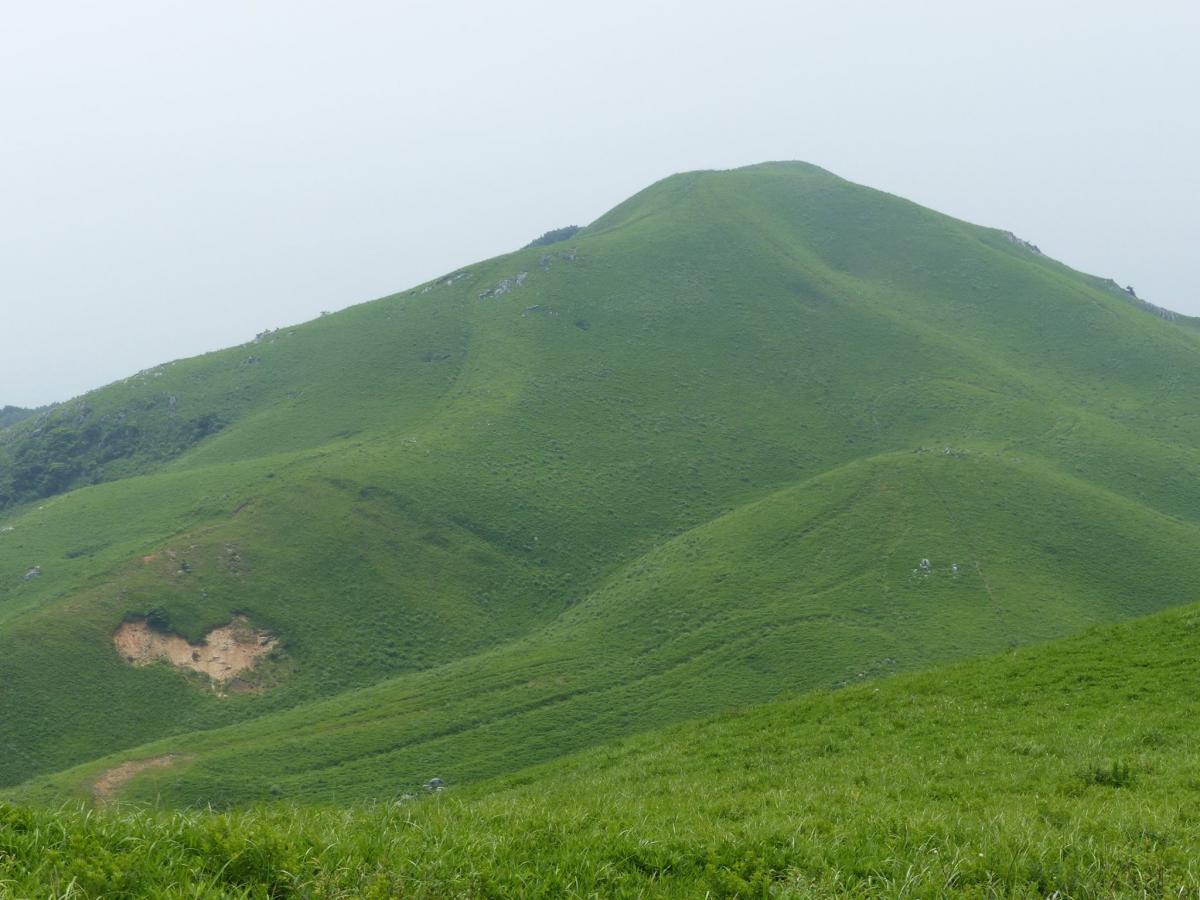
591, 488
1068, 769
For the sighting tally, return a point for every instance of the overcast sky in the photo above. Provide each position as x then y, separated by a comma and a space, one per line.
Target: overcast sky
177, 176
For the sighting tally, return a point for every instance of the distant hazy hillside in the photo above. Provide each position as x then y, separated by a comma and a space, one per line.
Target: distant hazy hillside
10, 415
748, 434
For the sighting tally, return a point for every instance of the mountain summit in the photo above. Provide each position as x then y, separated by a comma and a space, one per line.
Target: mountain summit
750, 433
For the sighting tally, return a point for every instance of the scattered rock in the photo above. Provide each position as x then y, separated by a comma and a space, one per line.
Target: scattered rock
546, 258
1131, 294
1033, 248
505, 286
446, 281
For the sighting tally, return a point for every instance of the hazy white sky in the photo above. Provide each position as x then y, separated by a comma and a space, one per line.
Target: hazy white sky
177, 176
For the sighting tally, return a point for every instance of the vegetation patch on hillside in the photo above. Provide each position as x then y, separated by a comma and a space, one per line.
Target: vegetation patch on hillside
73, 445
554, 236
10, 415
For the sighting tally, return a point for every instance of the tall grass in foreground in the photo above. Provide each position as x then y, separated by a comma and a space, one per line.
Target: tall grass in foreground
440, 847
1068, 770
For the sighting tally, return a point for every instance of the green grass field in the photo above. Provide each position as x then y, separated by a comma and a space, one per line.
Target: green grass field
689, 459
1066, 770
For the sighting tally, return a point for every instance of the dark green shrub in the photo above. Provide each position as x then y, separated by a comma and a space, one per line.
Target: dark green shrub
1117, 775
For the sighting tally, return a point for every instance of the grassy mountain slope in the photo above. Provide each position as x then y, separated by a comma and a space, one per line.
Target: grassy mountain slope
1066, 769
588, 488
777, 597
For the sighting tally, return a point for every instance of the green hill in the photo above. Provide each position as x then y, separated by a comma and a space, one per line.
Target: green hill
1067, 769
692, 457
10, 415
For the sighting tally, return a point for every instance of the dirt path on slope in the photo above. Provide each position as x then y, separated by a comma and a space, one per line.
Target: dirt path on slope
110, 782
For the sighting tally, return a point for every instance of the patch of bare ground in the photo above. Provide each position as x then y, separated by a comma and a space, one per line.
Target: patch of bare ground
108, 785
225, 653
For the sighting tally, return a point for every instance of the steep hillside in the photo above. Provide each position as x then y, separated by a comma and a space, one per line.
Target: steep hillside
1065, 770
693, 456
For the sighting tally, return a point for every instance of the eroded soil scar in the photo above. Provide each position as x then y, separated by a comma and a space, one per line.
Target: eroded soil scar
225, 652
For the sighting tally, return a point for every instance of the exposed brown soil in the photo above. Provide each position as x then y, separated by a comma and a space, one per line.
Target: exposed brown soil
105, 788
224, 654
